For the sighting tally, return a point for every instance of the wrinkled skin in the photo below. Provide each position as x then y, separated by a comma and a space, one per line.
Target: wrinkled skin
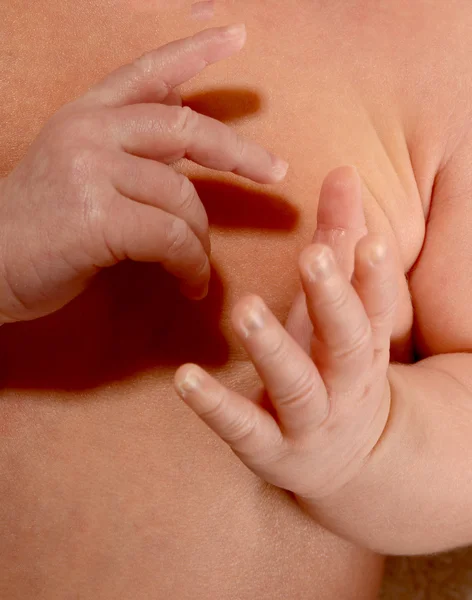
96, 186
111, 487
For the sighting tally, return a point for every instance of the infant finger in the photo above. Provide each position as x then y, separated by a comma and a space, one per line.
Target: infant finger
147, 234
151, 77
158, 185
340, 221
298, 323
289, 375
376, 283
248, 429
342, 344
169, 133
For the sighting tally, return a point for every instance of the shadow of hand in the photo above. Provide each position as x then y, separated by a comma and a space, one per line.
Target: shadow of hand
133, 317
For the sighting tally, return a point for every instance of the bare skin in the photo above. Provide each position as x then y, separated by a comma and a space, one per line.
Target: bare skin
110, 486
97, 187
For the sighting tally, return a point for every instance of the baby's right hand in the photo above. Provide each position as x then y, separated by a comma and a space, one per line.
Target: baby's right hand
95, 187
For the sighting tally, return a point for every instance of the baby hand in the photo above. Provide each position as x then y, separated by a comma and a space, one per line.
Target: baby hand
330, 408
96, 187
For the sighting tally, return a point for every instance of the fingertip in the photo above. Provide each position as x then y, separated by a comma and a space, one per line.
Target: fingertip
340, 204
342, 180
248, 315
316, 262
188, 379
279, 168
377, 253
236, 32
372, 251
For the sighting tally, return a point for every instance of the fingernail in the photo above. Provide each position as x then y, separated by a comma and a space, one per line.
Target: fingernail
190, 383
279, 167
235, 31
252, 321
321, 265
377, 253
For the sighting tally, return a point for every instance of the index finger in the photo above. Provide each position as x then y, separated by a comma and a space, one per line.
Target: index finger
153, 76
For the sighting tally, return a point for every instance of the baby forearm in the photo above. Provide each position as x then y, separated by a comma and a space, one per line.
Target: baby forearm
414, 494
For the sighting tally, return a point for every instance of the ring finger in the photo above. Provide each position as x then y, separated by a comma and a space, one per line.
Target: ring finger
156, 184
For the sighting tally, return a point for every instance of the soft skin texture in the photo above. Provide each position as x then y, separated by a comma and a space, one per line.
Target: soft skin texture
326, 398
110, 486
96, 188
362, 444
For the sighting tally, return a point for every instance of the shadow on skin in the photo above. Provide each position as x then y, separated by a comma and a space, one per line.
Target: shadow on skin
236, 207
133, 316
226, 104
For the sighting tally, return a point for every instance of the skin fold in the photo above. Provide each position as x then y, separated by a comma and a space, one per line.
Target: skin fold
110, 486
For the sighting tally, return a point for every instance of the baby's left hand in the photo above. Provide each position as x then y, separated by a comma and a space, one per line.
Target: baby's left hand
331, 405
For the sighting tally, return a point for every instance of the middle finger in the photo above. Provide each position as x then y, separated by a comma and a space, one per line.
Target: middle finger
169, 133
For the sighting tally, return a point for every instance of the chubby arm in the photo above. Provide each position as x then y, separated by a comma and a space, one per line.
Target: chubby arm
430, 425
414, 493
422, 469
377, 452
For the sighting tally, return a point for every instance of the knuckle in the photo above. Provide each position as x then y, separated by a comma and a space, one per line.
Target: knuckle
143, 64
79, 164
190, 205
216, 412
358, 341
145, 68
202, 271
73, 126
187, 194
185, 122
235, 430
131, 171
73, 144
339, 296
300, 392
240, 429
240, 149
276, 353
386, 312
178, 237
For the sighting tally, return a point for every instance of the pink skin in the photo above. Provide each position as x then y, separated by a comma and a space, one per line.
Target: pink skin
329, 399
96, 187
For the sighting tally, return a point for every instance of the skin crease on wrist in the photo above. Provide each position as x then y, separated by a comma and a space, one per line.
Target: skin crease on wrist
127, 492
